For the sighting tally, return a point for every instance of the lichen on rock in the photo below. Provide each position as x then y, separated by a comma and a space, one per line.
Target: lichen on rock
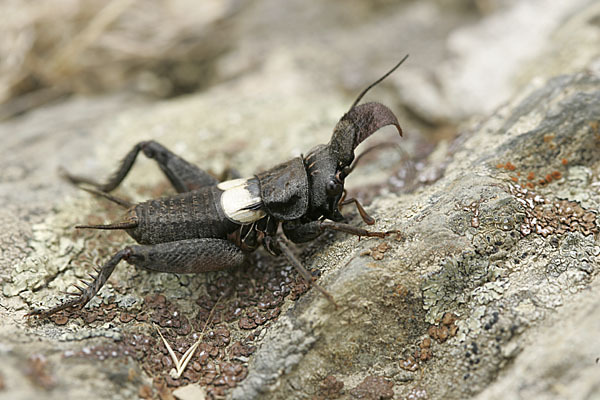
500, 254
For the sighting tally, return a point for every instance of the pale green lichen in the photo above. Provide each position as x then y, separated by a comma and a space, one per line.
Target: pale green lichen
453, 283
82, 334
51, 255
58, 257
461, 274
490, 291
577, 186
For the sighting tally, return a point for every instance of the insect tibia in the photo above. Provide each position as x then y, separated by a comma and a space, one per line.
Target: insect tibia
85, 294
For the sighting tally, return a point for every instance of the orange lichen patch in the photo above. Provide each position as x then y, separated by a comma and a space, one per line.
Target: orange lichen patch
59, 319
426, 354
401, 290
426, 343
377, 252
445, 329
449, 319
527, 179
439, 333
548, 138
423, 354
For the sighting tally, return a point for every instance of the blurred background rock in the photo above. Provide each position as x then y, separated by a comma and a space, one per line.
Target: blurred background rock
53, 48
467, 56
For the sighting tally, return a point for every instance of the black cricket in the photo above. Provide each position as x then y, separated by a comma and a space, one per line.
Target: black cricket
211, 225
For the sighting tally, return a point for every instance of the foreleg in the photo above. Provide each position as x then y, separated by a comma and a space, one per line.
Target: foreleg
363, 214
305, 232
299, 232
183, 176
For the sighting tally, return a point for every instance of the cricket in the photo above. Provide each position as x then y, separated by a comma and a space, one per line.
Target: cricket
211, 225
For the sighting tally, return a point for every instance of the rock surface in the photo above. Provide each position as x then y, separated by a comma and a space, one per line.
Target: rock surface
490, 292
489, 249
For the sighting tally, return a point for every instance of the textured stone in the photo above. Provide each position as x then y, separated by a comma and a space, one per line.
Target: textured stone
470, 245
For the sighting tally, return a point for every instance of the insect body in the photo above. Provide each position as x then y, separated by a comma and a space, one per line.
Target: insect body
211, 225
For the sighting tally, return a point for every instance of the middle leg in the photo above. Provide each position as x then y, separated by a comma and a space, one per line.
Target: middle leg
183, 175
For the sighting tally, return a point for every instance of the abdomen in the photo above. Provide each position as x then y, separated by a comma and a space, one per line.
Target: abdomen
190, 215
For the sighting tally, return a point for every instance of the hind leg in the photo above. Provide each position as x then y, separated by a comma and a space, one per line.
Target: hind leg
184, 256
183, 176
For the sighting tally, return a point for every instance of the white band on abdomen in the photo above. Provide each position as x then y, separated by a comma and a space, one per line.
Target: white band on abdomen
241, 200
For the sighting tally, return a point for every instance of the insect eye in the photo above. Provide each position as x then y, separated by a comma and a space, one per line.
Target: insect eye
333, 188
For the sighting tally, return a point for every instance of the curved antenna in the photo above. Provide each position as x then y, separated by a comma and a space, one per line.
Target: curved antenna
360, 96
121, 202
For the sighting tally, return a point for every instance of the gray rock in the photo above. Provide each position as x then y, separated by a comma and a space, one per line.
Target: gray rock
515, 266
501, 257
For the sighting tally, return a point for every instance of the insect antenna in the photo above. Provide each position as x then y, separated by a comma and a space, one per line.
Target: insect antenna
360, 96
117, 225
114, 199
